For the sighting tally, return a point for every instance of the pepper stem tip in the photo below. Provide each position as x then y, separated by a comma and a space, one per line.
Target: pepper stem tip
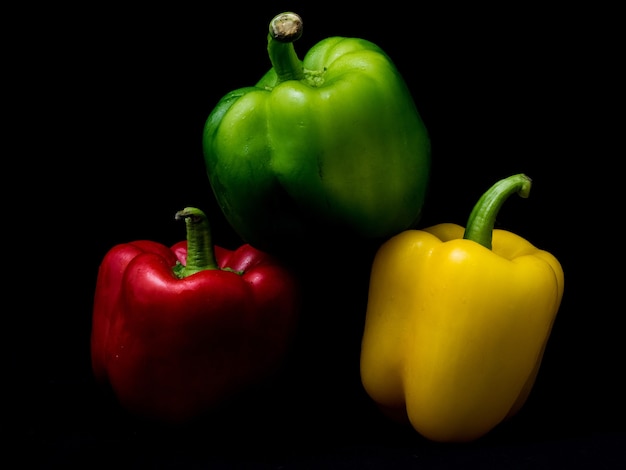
286, 27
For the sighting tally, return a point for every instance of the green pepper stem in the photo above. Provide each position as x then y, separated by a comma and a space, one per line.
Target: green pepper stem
200, 253
285, 28
483, 216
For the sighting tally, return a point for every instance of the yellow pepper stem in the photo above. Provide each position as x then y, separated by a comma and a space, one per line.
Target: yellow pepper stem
480, 224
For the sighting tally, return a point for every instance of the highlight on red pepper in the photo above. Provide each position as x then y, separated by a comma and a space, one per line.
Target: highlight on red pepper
457, 321
178, 331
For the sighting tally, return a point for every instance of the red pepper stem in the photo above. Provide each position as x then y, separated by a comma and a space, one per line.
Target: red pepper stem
480, 224
285, 28
200, 253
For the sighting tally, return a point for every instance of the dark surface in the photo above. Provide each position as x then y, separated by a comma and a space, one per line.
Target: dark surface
113, 112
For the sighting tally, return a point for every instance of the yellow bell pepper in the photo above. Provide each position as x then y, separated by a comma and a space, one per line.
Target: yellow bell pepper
457, 321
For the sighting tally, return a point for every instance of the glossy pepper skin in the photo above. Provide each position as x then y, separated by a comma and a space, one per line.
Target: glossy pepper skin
457, 321
325, 148
179, 331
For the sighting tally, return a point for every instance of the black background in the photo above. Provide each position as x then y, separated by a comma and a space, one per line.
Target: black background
112, 103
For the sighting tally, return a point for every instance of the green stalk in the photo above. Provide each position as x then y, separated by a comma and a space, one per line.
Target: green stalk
200, 253
480, 224
285, 28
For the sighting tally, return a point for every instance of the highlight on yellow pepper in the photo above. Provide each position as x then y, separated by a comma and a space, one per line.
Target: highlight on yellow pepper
457, 322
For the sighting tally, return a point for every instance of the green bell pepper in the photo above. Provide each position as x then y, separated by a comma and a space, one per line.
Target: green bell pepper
332, 146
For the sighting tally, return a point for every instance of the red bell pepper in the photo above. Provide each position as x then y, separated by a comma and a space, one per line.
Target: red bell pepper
178, 331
